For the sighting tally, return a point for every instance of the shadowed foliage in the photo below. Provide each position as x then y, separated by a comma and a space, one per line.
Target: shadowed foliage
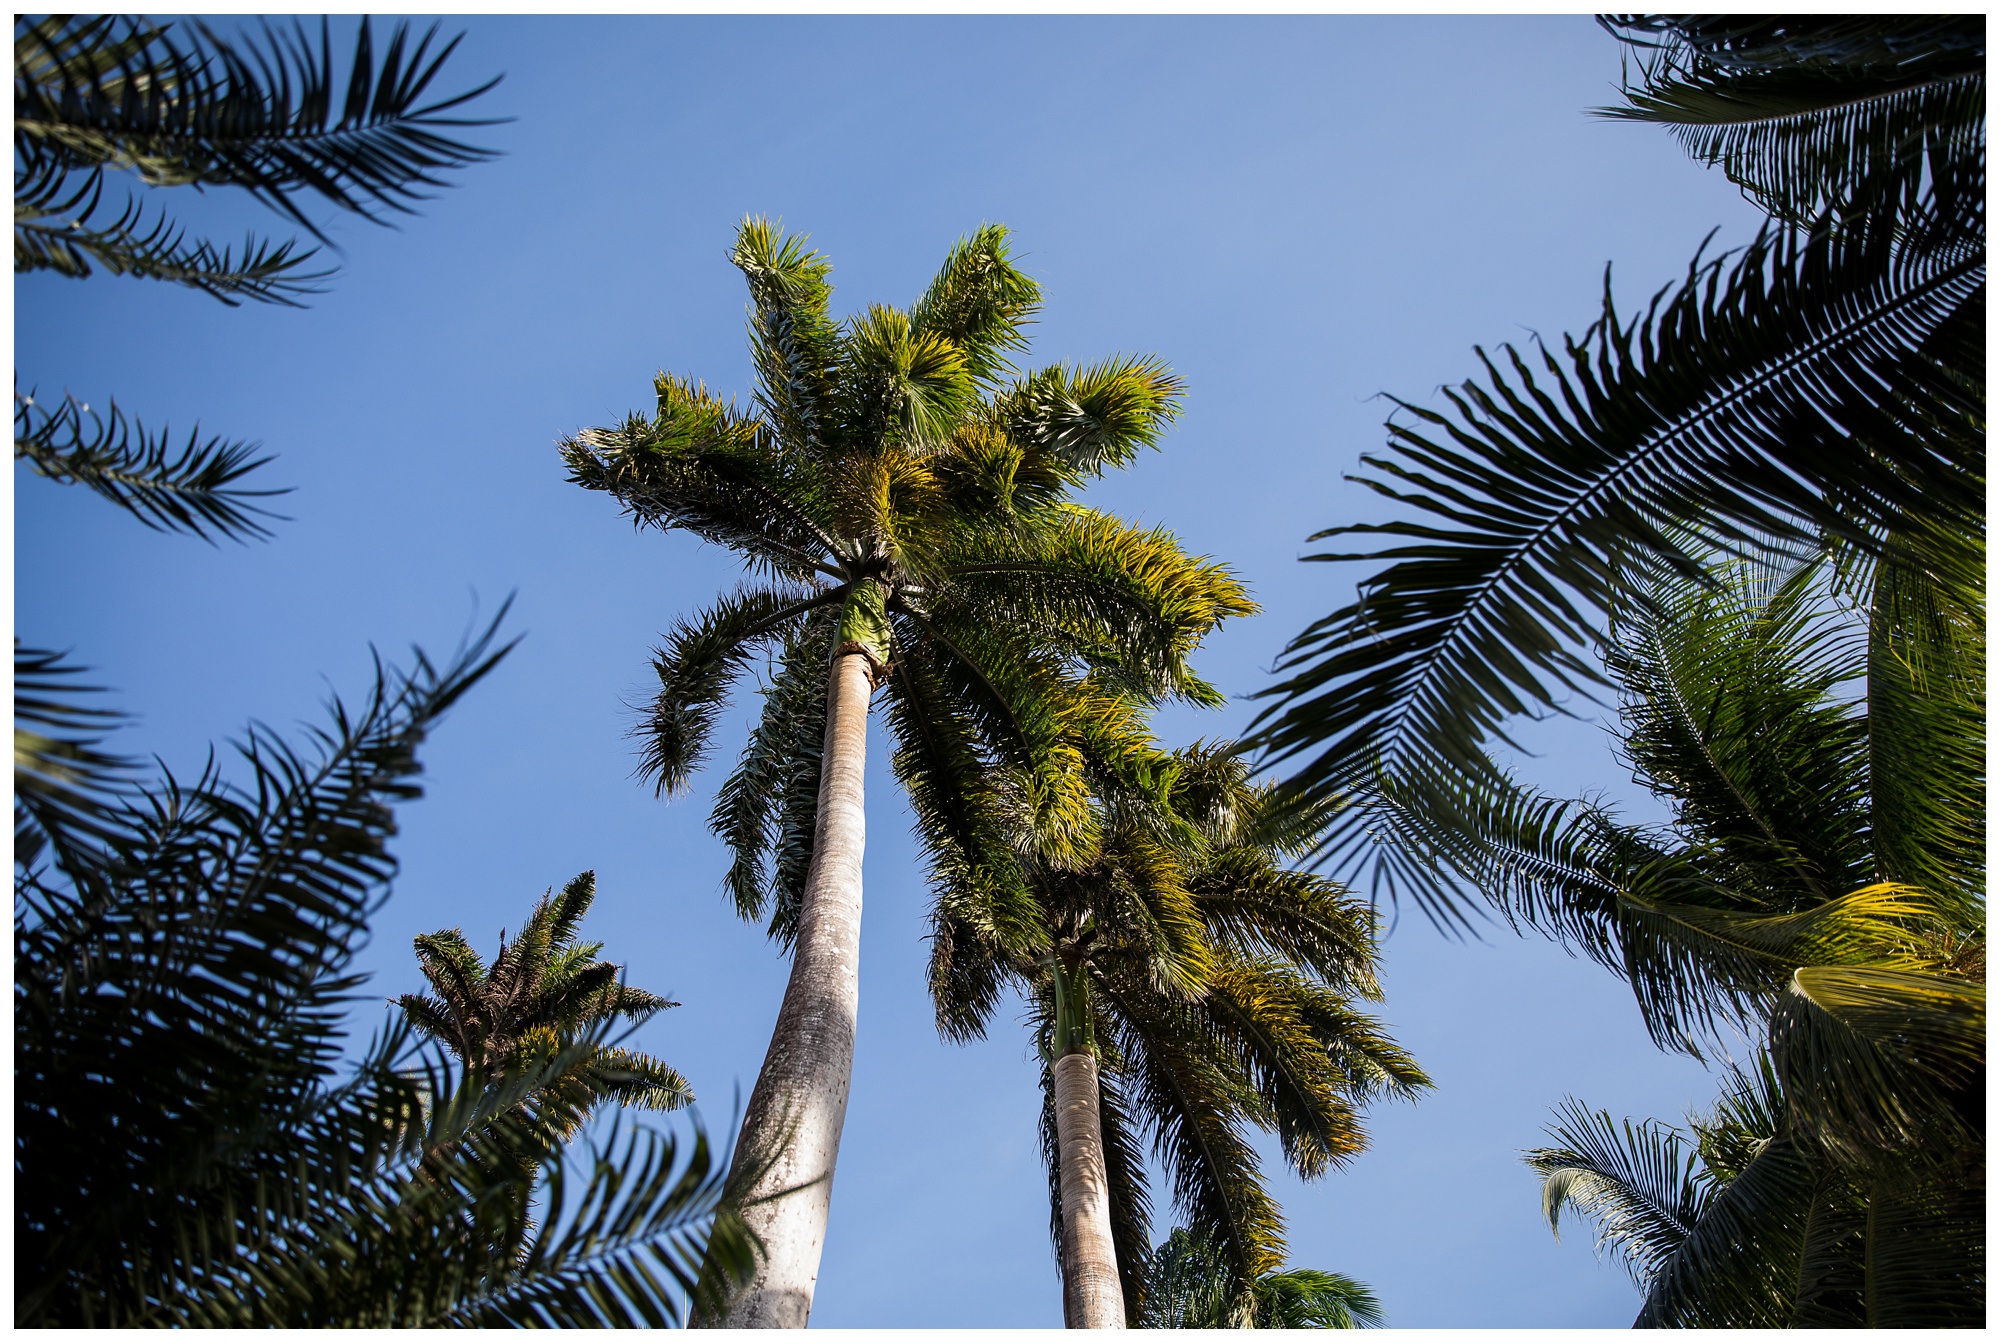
190, 1148
173, 105
1188, 1286
1826, 381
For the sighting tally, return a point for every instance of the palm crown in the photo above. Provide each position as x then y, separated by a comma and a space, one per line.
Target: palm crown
544, 991
904, 497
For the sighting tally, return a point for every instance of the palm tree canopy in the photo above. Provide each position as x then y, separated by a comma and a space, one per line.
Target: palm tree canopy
902, 493
1188, 1286
1826, 380
1215, 987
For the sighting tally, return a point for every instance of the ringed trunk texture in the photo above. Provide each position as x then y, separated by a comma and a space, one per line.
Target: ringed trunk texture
782, 1176
1093, 1298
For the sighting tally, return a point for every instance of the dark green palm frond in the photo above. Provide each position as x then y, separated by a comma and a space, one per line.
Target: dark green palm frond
1926, 676
1817, 115
1311, 1298
699, 665
71, 237
1733, 406
67, 791
639, 1080
1880, 1064
192, 489
979, 302
768, 805
1254, 907
1639, 1182
1735, 702
267, 115
1738, 1265
797, 346
180, 983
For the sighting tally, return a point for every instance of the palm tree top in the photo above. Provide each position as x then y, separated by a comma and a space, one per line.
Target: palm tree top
544, 980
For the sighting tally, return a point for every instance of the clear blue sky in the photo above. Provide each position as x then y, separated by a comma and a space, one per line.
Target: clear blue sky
1298, 213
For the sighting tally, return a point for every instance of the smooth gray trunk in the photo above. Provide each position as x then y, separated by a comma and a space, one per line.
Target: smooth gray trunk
782, 1176
1093, 1297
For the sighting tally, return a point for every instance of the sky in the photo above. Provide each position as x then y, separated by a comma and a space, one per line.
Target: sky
1299, 214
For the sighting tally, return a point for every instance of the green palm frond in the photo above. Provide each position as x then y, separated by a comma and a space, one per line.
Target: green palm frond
1639, 1182
1087, 420
701, 662
192, 489
180, 979
1311, 1298
1188, 1286
979, 302
1732, 407
797, 346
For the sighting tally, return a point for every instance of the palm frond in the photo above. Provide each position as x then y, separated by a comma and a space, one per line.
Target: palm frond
1639, 1182
192, 489
1733, 407
979, 302
266, 115
797, 346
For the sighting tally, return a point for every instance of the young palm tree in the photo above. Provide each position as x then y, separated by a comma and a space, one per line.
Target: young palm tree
1821, 889
1189, 1286
542, 993
1827, 380
904, 500
1187, 984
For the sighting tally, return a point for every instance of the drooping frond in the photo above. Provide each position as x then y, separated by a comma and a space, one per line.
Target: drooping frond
1638, 1182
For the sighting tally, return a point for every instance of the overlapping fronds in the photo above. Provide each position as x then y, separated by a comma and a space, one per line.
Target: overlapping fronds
1818, 115
1638, 1181
1188, 1286
267, 116
191, 489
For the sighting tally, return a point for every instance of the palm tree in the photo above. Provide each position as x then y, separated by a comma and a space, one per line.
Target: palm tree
1821, 890
542, 993
1185, 983
98, 96
1188, 1286
187, 1151
1826, 381
904, 500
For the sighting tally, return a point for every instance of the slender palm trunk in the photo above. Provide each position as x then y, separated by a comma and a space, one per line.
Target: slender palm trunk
1093, 1298
782, 1177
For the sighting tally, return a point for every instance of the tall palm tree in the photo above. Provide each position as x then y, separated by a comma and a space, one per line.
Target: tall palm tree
1821, 890
187, 1149
1185, 983
903, 498
1826, 380
543, 991
1188, 1286
177, 104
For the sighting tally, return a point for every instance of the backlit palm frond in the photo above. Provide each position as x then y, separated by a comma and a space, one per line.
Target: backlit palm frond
980, 302
797, 346
1817, 115
192, 488
180, 984
700, 465
266, 115
701, 662
76, 234
1639, 1182
67, 789
1733, 695
1734, 407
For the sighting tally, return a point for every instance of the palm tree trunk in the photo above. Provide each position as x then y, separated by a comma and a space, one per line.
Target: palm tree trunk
1093, 1298
782, 1176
